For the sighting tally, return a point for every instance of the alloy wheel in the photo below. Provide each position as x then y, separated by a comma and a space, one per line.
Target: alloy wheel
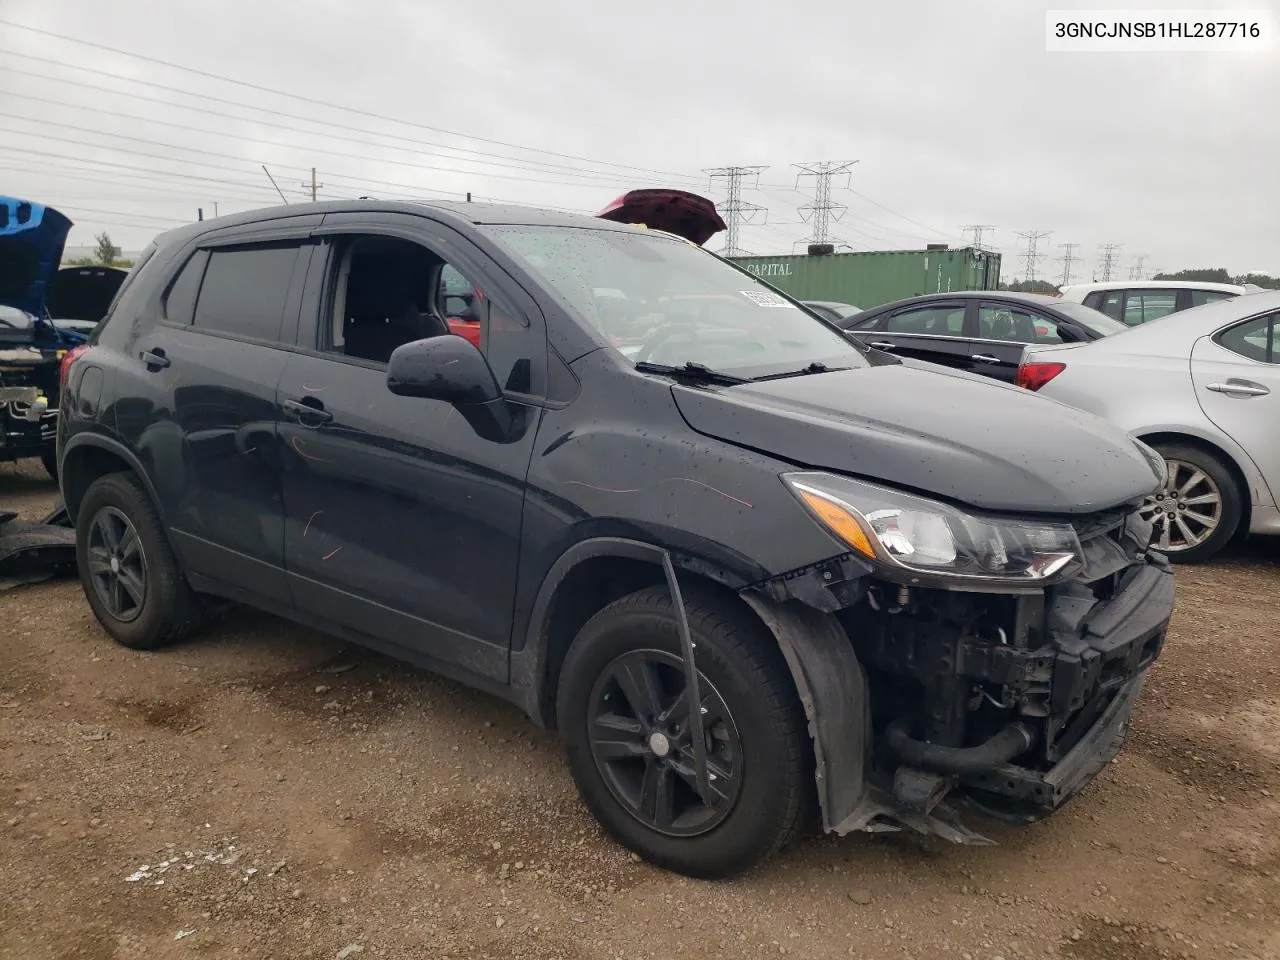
641, 744
117, 564
1187, 511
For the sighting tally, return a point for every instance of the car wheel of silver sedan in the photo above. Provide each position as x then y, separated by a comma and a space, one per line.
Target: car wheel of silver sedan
1199, 509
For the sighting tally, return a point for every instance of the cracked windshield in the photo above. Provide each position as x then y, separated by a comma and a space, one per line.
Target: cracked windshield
664, 302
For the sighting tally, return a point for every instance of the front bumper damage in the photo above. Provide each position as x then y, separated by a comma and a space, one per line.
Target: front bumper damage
1001, 705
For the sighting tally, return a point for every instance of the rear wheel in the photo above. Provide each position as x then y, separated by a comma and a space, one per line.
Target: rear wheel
1199, 510
624, 716
127, 569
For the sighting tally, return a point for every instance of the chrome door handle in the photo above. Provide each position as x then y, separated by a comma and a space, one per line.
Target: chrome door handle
985, 358
1243, 387
882, 344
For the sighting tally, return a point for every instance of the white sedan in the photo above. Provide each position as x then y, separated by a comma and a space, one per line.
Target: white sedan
1201, 386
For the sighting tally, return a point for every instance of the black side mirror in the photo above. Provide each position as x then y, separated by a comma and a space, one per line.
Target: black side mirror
444, 368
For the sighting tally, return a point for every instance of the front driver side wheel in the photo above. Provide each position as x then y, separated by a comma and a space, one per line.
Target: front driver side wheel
624, 717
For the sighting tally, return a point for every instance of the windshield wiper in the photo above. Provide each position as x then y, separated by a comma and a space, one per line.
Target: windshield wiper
689, 371
816, 367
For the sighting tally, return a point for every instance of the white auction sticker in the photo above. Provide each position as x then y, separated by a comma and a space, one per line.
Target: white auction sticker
762, 298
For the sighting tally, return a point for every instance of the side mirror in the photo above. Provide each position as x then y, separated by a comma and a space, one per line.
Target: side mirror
444, 368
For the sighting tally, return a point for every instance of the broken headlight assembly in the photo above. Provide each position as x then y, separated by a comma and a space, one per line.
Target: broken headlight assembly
913, 538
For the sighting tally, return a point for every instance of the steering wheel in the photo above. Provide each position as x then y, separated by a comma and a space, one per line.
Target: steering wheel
663, 335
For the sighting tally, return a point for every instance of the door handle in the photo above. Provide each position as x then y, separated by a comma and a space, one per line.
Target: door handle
882, 344
985, 358
309, 414
1245, 388
154, 359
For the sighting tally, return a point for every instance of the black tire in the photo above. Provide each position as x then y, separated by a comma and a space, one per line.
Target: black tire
740, 664
1231, 498
49, 458
169, 609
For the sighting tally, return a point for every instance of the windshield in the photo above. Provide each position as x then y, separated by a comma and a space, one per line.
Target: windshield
662, 301
1091, 318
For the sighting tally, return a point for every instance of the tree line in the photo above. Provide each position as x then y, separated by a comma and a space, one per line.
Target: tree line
1201, 274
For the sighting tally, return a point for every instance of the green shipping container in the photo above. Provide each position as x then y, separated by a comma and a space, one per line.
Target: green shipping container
868, 279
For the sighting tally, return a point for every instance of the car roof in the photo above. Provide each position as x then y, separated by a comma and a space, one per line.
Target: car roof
460, 213
829, 303
1154, 285
1039, 299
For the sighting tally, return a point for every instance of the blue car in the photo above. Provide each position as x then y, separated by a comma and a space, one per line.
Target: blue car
45, 311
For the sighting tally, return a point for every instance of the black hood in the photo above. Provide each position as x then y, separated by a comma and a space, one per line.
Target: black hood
83, 293
958, 437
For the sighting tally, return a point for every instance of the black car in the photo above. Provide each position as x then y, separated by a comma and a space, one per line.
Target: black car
981, 331
748, 569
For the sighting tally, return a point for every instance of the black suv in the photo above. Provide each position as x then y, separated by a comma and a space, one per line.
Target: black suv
748, 568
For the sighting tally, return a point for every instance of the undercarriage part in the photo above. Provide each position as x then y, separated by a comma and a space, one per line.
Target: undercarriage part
31, 552
878, 812
1014, 739
919, 790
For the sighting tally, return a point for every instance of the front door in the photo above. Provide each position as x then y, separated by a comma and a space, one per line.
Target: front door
401, 522
1237, 381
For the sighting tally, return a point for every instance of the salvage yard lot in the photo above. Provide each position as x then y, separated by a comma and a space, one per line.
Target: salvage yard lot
264, 791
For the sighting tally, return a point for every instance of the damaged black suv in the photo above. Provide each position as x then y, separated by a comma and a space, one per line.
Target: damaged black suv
749, 569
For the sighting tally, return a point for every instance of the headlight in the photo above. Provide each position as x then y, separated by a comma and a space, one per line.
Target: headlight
1158, 464
903, 531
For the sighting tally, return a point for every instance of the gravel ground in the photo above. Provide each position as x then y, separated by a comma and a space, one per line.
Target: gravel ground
265, 791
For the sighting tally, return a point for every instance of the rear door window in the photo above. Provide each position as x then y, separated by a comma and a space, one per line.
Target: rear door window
245, 290
937, 320
998, 321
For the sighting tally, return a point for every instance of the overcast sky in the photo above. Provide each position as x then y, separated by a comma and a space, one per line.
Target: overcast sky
953, 110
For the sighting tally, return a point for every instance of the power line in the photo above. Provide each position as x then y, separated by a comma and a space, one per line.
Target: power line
332, 106
605, 179
978, 229
737, 211
536, 166
1110, 255
1031, 258
1067, 259
822, 209
29, 151
287, 146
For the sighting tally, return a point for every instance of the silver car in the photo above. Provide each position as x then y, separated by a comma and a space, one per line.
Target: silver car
1202, 387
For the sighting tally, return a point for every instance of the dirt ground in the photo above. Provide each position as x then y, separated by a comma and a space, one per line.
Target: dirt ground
265, 791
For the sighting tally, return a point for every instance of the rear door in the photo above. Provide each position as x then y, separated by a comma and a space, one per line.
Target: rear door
1237, 382
1005, 330
935, 331
214, 359
1143, 306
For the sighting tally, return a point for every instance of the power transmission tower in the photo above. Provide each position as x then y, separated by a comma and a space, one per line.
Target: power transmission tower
1110, 256
1032, 257
736, 211
1067, 259
978, 229
312, 186
822, 209
1135, 272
